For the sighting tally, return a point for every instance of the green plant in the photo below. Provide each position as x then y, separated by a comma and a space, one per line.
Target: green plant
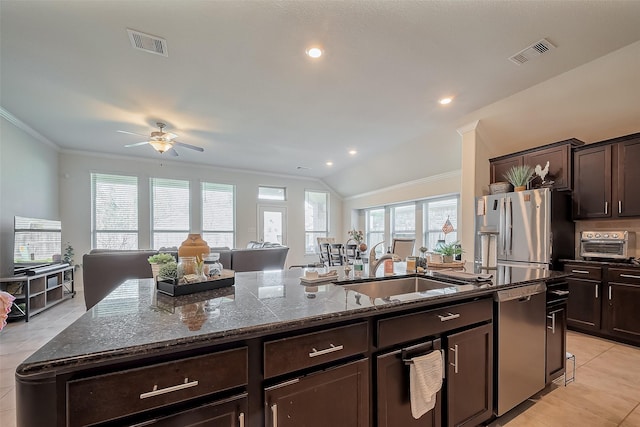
169, 270
446, 249
518, 175
160, 258
356, 235
68, 256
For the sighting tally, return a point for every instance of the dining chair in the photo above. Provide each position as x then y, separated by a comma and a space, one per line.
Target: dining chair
403, 247
351, 250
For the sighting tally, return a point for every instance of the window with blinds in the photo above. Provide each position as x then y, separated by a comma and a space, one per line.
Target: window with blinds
436, 214
374, 228
218, 214
316, 218
114, 211
403, 221
169, 212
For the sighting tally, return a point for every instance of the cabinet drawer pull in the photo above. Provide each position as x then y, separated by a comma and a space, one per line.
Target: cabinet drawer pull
455, 358
606, 208
553, 323
630, 276
597, 288
331, 349
619, 206
274, 414
609, 293
448, 316
156, 392
241, 419
580, 271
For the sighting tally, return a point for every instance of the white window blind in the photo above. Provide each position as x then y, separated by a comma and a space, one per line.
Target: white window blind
169, 211
375, 228
114, 211
316, 218
404, 221
218, 214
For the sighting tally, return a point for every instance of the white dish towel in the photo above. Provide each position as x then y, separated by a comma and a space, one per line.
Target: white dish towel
425, 380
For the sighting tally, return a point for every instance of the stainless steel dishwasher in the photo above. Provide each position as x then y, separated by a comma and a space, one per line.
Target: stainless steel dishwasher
520, 344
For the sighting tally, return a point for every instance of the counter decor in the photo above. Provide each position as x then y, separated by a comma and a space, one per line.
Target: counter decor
187, 285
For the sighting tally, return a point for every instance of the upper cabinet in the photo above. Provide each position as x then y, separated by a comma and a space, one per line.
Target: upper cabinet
557, 154
605, 177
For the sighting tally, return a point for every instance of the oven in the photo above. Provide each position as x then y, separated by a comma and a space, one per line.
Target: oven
606, 244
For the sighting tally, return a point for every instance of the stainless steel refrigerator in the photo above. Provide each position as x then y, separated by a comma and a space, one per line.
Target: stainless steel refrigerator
532, 228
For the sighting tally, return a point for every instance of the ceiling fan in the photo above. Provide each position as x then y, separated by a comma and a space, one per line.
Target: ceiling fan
162, 141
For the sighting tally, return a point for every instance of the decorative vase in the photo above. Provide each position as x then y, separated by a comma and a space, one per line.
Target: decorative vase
194, 246
362, 247
447, 259
155, 270
520, 188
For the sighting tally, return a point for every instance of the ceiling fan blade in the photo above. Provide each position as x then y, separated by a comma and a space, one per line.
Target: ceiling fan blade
172, 152
137, 144
192, 147
133, 133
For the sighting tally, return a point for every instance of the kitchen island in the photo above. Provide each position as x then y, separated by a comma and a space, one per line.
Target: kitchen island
265, 351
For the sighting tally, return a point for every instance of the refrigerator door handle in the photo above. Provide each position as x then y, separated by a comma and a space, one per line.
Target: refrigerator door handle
509, 226
502, 228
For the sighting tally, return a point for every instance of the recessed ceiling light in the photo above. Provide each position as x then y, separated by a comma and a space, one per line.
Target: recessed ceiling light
314, 52
329, 163
445, 101
353, 152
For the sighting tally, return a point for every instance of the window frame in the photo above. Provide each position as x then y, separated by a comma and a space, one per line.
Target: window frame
425, 209
315, 232
411, 234
272, 199
206, 231
152, 213
95, 232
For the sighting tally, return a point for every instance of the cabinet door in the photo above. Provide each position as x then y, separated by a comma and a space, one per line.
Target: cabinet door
392, 390
621, 318
584, 304
501, 166
227, 413
470, 376
556, 341
628, 172
337, 397
592, 183
559, 165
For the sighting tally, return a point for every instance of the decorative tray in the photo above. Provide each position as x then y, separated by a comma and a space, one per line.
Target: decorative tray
454, 264
172, 288
319, 279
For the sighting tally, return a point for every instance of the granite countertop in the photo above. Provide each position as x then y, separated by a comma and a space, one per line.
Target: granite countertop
135, 319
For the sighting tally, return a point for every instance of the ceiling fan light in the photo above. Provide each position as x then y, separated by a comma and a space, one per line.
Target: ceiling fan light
161, 146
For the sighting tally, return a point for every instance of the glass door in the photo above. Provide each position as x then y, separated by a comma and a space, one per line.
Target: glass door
272, 223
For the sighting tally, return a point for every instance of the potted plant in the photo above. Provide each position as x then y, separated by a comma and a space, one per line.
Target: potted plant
358, 236
157, 261
519, 176
448, 251
168, 270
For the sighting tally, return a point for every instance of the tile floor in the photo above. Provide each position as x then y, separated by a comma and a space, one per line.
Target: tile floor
606, 391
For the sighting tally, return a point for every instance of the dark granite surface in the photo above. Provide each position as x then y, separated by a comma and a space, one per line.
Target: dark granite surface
135, 319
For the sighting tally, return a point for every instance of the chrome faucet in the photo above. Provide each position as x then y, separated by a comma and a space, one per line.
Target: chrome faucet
373, 263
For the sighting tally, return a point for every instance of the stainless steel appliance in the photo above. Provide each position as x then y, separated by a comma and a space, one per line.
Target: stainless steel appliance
606, 244
521, 341
533, 227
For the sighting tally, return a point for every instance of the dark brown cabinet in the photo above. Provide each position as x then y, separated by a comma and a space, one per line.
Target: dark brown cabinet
336, 397
470, 376
605, 179
226, 413
392, 389
556, 341
628, 177
557, 154
622, 302
585, 294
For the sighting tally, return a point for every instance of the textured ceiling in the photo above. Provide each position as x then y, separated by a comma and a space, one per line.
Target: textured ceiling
237, 82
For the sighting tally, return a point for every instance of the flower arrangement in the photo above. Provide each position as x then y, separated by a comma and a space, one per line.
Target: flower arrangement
356, 235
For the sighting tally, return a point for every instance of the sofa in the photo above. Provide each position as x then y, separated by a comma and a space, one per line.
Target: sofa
104, 270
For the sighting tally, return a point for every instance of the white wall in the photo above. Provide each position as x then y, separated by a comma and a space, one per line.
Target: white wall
28, 184
75, 190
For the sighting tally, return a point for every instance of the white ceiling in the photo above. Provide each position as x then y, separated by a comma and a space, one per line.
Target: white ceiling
237, 82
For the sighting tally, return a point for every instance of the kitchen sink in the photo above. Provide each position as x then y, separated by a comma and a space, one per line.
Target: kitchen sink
405, 285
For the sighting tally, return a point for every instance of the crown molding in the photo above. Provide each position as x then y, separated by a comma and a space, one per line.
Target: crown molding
433, 178
27, 129
468, 127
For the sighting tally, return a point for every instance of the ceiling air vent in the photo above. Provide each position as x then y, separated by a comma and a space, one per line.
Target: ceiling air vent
148, 43
536, 49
